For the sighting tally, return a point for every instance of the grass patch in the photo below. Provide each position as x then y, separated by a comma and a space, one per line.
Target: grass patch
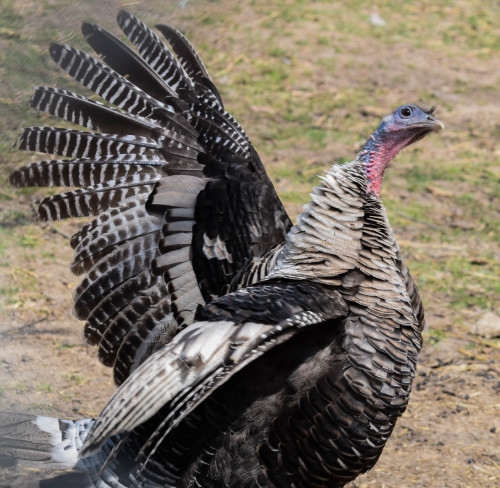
76, 378
434, 336
42, 386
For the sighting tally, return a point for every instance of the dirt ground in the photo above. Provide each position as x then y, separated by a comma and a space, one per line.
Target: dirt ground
449, 436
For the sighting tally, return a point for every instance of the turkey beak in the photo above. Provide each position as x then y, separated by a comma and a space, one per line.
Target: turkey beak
425, 126
438, 125
430, 122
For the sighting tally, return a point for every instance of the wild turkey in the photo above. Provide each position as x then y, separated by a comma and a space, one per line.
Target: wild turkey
250, 353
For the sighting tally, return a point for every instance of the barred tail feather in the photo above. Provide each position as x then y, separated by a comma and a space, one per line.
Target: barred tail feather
36, 441
43, 452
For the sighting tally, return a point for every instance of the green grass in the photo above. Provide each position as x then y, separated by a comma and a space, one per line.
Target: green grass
21, 387
42, 386
76, 378
433, 336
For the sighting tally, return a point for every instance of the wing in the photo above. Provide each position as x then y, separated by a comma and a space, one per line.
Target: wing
231, 333
180, 198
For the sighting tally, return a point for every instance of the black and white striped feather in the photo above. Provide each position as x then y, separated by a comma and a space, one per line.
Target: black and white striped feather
155, 53
145, 166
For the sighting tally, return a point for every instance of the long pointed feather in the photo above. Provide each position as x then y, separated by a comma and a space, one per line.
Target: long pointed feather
75, 173
192, 63
96, 199
104, 81
216, 139
85, 145
218, 129
125, 62
89, 113
185, 52
154, 52
114, 88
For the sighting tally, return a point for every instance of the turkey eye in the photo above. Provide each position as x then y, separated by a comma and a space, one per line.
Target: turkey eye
406, 111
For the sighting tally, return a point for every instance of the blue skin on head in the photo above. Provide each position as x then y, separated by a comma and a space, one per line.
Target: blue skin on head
408, 124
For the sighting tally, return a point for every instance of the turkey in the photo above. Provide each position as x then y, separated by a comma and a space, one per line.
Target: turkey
248, 352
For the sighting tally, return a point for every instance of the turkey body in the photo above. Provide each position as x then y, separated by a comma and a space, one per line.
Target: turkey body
249, 352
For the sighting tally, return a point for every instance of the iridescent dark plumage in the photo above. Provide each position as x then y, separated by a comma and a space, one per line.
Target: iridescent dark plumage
250, 353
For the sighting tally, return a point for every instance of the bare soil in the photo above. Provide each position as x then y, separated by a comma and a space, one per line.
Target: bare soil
449, 436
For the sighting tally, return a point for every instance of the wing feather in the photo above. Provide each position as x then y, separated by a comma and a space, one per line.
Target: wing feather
94, 199
115, 301
116, 267
160, 172
207, 353
154, 52
125, 321
119, 57
79, 172
80, 144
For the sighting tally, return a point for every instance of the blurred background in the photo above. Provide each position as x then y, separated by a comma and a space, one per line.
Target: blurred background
308, 81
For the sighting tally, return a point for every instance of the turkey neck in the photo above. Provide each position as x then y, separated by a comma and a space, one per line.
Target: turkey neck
378, 151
